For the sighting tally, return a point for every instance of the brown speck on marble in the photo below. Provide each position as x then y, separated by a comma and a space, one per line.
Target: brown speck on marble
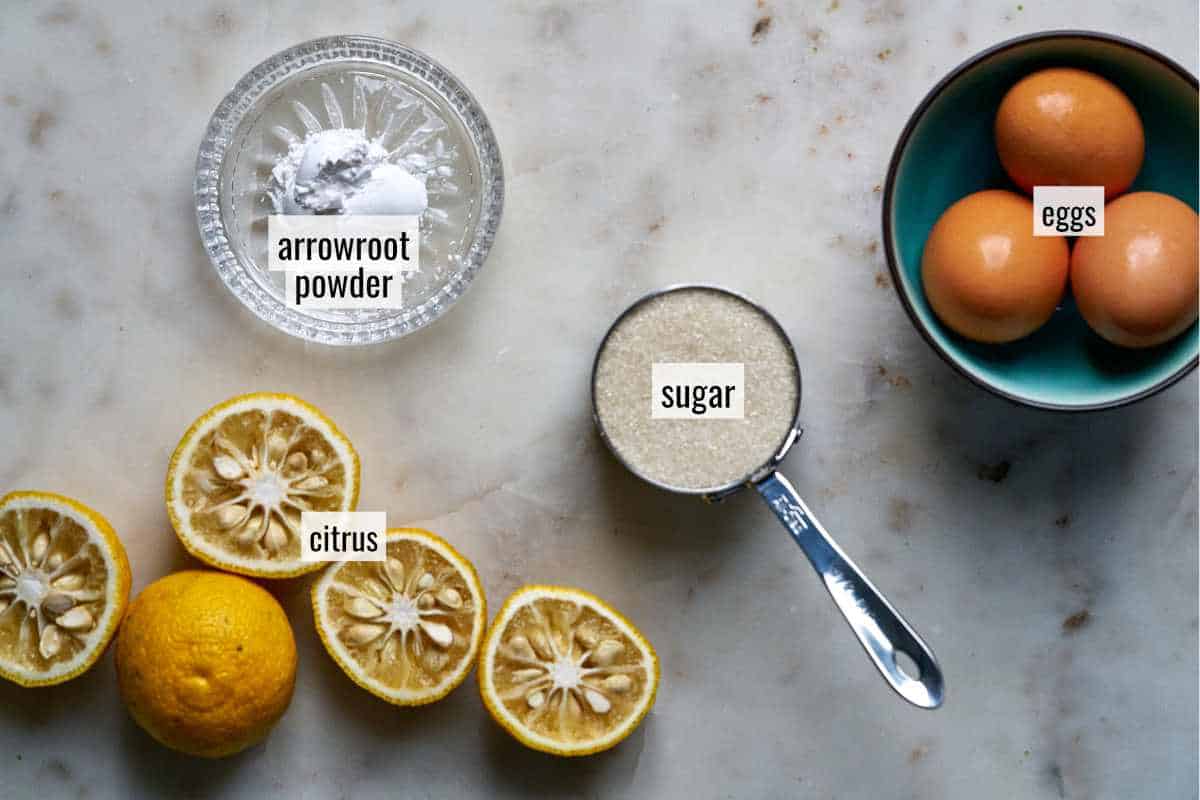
200, 64
919, 752
882, 281
871, 248
604, 234
896, 380
960, 38
12, 101
833, 6
104, 47
884, 55
413, 30
876, 189
60, 14
790, 676
823, 130
1076, 621
900, 514
1063, 522
657, 225
55, 195
39, 124
222, 21
888, 11
67, 306
849, 155
556, 22
762, 98
761, 29
996, 473
56, 768
816, 37
709, 131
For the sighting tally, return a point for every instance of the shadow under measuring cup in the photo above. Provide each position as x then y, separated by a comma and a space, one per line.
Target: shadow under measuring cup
697, 324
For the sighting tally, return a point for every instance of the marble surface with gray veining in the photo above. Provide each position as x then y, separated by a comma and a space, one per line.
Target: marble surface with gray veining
1051, 561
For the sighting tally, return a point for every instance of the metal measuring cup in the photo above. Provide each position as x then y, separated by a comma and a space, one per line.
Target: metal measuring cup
880, 629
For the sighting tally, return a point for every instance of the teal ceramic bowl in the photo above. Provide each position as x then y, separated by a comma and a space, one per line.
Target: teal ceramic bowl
947, 151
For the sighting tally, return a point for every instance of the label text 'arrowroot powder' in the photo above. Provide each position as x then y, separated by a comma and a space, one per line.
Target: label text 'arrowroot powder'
695, 325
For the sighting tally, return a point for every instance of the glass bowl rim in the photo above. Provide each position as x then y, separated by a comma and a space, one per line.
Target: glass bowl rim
268, 75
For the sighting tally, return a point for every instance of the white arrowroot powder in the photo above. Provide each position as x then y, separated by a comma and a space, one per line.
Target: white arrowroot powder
341, 171
696, 325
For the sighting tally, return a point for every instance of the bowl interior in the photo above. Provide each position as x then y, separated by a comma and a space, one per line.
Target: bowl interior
949, 152
399, 110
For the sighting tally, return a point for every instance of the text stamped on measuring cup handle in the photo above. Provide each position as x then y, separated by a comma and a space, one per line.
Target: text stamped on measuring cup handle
879, 627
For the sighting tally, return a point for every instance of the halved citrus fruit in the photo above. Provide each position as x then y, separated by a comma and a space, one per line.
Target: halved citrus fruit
406, 629
64, 583
245, 471
564, 672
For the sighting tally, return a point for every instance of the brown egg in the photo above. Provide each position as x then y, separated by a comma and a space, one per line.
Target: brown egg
1137, 284
1067, 127
985, 273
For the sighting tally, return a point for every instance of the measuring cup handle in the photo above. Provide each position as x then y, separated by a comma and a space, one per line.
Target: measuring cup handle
878, 626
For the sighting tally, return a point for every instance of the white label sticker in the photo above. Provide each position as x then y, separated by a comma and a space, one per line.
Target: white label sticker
340, 261
697, 391
343, 536
1068, 211
343, 242
328, 290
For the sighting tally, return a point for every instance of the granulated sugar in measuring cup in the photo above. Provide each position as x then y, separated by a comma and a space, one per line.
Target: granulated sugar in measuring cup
696, 389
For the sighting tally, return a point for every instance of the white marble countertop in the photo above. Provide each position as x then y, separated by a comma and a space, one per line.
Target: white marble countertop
1051, 561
